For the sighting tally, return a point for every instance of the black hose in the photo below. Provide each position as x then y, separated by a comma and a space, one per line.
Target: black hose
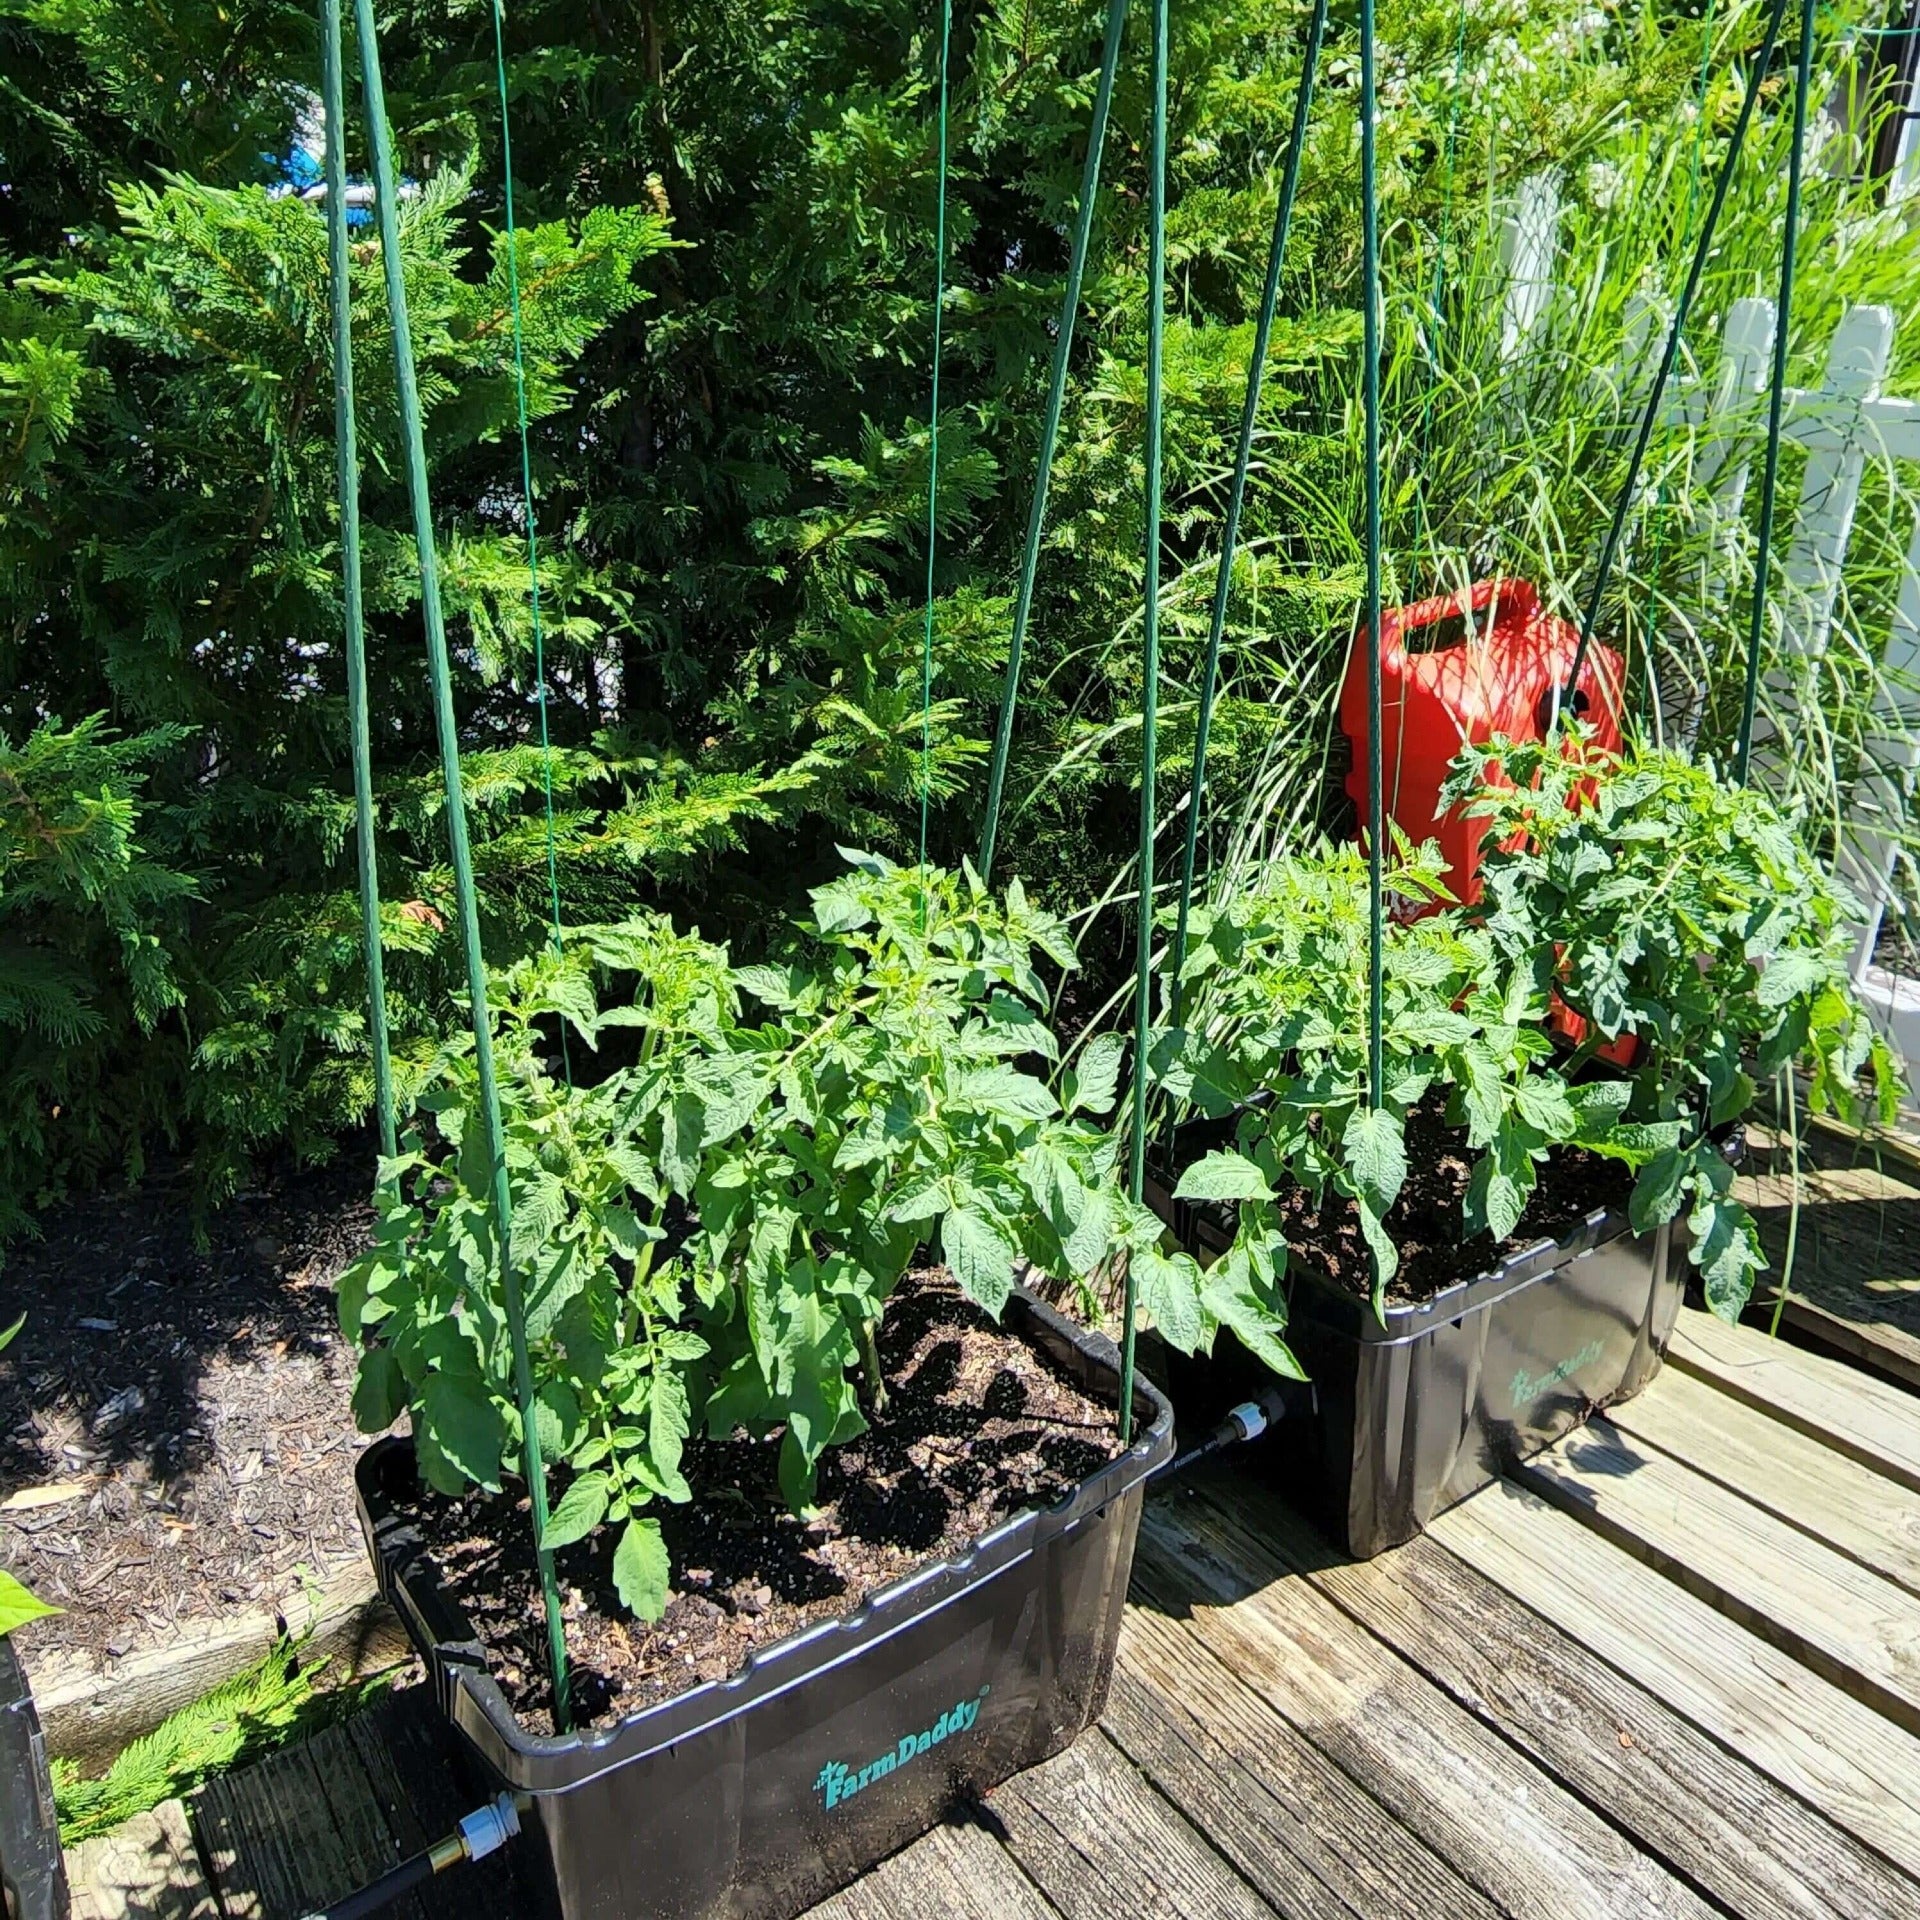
380, 1894
484, 1831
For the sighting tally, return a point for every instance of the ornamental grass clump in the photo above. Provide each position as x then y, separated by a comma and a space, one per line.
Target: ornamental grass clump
710, 1233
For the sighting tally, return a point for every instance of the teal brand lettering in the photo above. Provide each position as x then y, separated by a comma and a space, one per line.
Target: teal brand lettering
839, 1782
1528, 1387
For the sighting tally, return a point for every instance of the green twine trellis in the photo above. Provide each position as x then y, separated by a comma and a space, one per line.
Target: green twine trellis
1670, 355
1237, 494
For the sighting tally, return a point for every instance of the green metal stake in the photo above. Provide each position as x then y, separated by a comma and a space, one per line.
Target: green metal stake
1150, 705
347, 462
1376, 821
1050, 432
1236, 499
933, 433
387, 199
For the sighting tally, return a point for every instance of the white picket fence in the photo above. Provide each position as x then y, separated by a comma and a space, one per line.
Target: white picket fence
1844, 424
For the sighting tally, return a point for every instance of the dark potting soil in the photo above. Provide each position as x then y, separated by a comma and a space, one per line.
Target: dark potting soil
979, 1427
1426, 1222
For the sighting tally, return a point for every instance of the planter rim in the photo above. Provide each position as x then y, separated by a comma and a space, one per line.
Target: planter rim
1412, 1319
557, 1763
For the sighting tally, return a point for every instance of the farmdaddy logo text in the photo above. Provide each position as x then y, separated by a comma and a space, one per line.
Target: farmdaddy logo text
839, 1782
1528, 1387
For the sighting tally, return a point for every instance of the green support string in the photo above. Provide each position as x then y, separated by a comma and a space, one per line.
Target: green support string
1370, 385
933, 432
1437, 296
386, 200
347, 464
1150, 703
526, 492
1649, 419
1776, 396
1050, 430
1236, 498
1686, 232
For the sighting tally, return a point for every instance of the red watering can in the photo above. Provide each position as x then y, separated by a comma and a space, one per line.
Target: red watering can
1454, 671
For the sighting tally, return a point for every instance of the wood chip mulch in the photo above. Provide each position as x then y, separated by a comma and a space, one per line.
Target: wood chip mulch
176, 1441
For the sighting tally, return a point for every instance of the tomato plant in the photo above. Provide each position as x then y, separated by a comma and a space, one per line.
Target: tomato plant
1658, 900
1645, 894
1276, 983
709, 1234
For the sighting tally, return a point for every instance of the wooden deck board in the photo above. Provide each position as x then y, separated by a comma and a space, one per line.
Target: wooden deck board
1289, 1820
1867, 1419
1706, 1813
1842, 1620
1855, 1282
1836, 1753
1099, 1841
1506, 1825
1871, 1519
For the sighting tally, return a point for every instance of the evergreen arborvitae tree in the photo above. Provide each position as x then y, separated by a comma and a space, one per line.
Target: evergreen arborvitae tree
725, 247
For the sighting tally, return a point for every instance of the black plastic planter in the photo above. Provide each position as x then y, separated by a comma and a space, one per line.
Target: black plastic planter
32, 1874
754, 1797
1405, 1419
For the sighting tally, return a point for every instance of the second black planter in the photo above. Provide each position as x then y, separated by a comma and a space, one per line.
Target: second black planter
759, 1795
1400, 1420
33, 1874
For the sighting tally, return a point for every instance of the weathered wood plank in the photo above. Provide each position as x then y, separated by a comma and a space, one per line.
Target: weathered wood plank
1100, 1842
407, 1754
956, 1872
1289, 1820
1707, 1814
1846, 1622
1819, 1742
1871, 1519
1508, 1827
1855, 1281
266, 1847
1877, 1424
147, 1869
88, 1712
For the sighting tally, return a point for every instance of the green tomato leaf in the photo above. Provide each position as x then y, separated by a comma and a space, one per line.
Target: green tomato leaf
640, 1569
1168, 1286
1223, 1176
18, 1605
380, 1391
1376, 1155
1658, 1191
582, 1507
1096, 1075
465, 1424
981, 1255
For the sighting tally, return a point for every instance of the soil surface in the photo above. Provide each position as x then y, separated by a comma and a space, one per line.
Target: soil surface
176, 1440
1426, 1223
979, 1427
